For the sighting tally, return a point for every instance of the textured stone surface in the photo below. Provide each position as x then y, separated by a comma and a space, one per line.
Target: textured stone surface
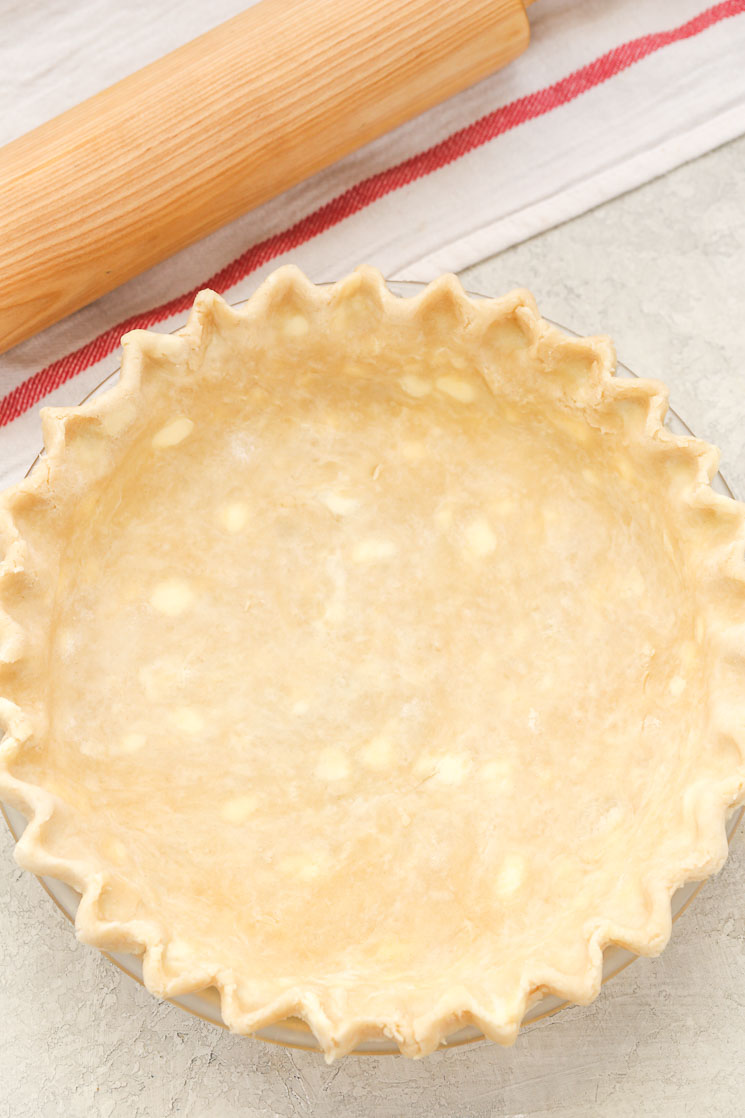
663, 271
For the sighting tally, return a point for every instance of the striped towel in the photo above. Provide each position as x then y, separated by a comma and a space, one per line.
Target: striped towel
607, 97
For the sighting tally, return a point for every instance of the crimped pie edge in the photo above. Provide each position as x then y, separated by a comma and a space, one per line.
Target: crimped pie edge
707, 803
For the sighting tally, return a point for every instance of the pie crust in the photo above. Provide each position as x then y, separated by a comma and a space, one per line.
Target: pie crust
377, 661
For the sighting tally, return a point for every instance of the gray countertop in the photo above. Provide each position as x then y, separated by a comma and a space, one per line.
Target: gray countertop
662, 270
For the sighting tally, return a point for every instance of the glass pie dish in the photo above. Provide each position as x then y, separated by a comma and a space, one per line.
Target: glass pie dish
205, 1003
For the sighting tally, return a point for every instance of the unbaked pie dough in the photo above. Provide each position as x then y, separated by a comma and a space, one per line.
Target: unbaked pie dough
374, 660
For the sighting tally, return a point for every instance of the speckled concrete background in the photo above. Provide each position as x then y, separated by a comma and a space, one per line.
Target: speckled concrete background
663, 271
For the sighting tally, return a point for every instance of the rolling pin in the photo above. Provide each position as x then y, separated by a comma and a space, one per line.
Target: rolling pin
231, 119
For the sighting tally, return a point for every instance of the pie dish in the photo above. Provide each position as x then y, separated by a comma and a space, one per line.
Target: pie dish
376, 661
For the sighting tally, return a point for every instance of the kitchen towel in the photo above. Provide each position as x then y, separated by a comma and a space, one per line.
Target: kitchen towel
608, 96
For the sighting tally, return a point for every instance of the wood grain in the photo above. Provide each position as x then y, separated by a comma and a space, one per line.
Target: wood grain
227, 121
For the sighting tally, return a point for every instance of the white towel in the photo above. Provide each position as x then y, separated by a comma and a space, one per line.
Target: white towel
607, 97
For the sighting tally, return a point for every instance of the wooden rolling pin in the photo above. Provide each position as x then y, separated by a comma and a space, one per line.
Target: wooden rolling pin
218, 126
